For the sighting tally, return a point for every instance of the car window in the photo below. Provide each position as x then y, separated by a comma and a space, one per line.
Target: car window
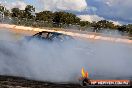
50, 34
44, 35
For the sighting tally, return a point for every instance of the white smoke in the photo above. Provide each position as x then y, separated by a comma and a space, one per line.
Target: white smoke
62, 62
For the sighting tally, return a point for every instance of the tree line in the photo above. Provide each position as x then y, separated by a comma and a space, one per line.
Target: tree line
29, 17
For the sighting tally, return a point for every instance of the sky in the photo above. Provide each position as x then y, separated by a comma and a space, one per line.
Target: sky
117, 11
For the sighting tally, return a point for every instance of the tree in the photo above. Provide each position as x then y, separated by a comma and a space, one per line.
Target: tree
85, 23
29, 12
2, 8
111, 25
104, 24
4, 11
7, 13
65, 18
122, 28
44, 16
129, 29
16, 12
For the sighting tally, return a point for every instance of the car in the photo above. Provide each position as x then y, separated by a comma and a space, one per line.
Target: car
50, 36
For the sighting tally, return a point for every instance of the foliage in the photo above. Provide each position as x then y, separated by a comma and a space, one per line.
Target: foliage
2, 8
15, 12
44, 16
28, 17
65, 18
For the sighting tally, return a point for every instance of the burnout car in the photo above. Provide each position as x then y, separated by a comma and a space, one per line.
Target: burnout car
50, 36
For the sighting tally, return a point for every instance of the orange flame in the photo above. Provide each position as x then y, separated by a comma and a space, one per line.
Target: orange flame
84, 74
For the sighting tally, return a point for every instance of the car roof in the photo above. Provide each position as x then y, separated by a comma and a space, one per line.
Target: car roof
49, 32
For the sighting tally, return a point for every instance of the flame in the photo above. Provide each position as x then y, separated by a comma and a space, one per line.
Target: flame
84, 74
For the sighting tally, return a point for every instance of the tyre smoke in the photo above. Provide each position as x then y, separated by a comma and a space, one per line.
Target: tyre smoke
62, 61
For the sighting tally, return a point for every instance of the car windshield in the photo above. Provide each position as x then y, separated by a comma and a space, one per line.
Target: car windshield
42, 35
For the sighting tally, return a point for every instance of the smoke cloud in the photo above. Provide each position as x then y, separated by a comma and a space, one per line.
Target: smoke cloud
62, 61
